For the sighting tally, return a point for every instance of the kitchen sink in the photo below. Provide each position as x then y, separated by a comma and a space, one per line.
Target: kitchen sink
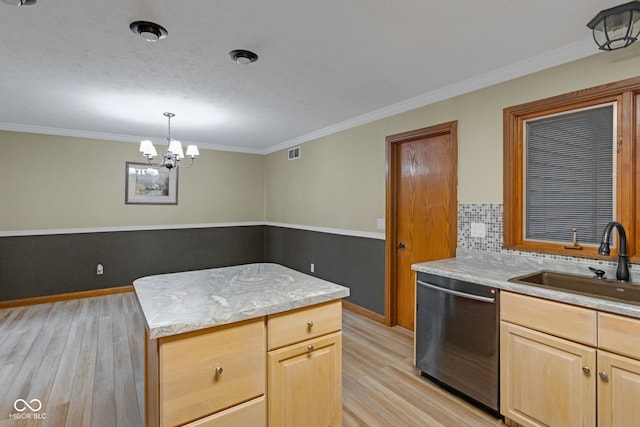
583, 285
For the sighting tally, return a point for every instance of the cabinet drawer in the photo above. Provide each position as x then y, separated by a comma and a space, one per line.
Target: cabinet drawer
190, 388
555, 318
252, 413
299, 325
619, 334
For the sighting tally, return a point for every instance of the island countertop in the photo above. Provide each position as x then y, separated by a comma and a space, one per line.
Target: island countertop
176, 303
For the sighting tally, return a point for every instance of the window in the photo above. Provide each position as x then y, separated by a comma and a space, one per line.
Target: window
569, 163
568, 177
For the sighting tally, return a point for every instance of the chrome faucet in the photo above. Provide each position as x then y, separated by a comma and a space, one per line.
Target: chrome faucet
622, 273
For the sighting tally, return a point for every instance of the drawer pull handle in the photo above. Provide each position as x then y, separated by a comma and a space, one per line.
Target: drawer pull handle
604, 376
310, 348
586, 370
218, 371
310, 323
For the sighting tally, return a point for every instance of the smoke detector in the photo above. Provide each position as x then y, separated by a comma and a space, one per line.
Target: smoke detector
150, 31
19, 2
243, 57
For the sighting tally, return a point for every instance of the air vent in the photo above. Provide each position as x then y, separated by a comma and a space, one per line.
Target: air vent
294, 153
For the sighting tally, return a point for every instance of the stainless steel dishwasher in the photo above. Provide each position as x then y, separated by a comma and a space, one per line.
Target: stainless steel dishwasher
457, 333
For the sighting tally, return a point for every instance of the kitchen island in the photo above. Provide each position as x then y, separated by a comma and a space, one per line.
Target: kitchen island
256, 344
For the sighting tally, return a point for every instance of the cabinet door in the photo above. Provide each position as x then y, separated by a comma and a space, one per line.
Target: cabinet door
305, 383
618, 391
545, 380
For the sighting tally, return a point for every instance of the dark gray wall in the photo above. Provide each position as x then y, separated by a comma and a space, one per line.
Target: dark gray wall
354, 262
33, 266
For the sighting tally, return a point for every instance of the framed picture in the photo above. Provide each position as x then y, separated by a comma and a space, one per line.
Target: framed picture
150, 186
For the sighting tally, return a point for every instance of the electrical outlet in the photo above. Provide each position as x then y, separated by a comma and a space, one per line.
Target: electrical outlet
313, 267
380, 223
99, 269
478, 229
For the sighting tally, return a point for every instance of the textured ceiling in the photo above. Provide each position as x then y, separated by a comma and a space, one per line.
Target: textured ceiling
73, 67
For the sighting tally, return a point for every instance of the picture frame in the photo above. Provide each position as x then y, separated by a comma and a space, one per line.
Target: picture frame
148, 185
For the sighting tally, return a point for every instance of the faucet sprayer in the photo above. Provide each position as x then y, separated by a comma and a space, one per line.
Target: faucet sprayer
622, 273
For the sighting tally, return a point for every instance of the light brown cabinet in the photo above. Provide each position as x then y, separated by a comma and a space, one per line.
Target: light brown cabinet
618, 374
218, 377
305, 368
305, 383
558, 367
547, 381
250, 414
204, 372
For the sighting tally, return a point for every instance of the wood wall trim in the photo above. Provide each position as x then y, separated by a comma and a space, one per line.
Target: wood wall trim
65, 297
363, 311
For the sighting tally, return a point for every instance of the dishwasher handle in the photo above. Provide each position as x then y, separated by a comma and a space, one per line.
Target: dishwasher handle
457, 293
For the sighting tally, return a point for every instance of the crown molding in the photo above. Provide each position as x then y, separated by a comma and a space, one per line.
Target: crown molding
16, 127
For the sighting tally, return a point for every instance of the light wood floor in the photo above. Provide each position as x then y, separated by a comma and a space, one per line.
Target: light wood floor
381, 387
83, 360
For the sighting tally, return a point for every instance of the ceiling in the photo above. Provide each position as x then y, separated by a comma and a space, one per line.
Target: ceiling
73, 67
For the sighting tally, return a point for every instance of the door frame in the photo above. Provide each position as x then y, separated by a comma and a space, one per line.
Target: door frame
391, 238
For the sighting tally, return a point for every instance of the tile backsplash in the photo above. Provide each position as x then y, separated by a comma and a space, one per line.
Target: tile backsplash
490, 214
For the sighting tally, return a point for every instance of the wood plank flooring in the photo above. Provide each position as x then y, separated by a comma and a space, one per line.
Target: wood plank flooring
381, 387
83, 359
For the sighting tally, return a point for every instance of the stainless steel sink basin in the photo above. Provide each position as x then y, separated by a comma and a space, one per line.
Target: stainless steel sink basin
583, 285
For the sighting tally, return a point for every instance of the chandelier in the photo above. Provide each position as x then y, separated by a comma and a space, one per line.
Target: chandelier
174, 150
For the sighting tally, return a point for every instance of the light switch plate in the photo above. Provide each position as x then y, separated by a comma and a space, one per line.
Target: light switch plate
478, 229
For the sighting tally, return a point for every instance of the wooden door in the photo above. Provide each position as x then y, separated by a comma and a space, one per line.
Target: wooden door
421, 210
305, 383
545, 380
618, 390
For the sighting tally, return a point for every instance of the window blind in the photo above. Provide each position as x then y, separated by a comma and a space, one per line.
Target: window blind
569, 175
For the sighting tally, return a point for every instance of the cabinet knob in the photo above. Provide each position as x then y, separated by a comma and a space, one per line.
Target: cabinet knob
218, 371
586, 370
310, 348
310, 323
604, 376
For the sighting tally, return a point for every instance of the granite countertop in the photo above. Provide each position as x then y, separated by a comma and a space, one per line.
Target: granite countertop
495, 269
183, 302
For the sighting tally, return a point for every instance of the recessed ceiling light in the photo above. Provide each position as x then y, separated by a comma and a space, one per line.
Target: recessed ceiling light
243, 57
19, 2
150, 31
